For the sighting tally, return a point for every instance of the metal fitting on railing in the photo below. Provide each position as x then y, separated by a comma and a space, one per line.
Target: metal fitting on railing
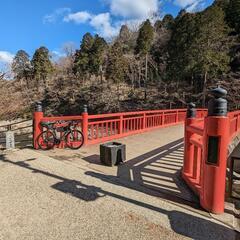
38, 107
218, 105
191, 110
85, 108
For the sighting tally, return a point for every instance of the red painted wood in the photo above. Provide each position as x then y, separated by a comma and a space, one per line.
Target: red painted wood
205, 179
107, 127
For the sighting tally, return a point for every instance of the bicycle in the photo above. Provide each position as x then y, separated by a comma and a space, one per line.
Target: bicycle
48, 139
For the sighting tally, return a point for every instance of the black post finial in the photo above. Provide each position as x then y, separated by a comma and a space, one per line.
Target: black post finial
38, 107
218, 105
85, 108
191, 110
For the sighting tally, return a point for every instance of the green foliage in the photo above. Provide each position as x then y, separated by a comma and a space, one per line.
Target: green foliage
97, 54
21, 65
145, 38
181, 13
168, 21
210, 45
199, 45
41, 64
233, 14
125, 38
90, 57
221, 3
179, 61
82, 56
117, 64
158, 25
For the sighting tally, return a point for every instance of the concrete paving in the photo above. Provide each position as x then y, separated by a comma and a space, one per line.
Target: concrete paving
68, 195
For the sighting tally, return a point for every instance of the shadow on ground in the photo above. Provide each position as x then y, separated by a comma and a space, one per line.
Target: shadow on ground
158, 170
181, 223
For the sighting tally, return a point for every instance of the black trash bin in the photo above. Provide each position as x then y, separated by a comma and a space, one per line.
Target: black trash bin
112, 153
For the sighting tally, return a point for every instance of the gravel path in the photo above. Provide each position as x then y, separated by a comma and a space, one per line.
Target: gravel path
43, 198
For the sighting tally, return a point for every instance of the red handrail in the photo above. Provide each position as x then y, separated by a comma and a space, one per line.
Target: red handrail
198, 131
105, 127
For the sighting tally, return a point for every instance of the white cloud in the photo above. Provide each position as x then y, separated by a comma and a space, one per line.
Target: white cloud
134, 9
103, 25
6, 57
58, 13
102, 22
58, 54
130, 12
79, 17
190, 5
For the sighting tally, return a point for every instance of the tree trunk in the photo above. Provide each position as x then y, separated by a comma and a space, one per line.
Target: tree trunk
146, 77
204, 89
101, 74
118, 91
139, 75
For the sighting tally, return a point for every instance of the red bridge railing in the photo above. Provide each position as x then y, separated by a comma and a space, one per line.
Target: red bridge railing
206, 151
107, 127
234, 118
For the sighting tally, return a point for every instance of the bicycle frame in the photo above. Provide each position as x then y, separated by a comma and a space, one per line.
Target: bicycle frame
62, 137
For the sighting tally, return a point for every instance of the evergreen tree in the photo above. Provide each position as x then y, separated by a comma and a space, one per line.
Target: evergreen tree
168, 21
233, 15
209, 49
145, 38
181, 13
221, 3
124, 33
116, 65
125, 39
180, 46
21, 65
42, 65
81, 64
198, 47
144, 44
96, 57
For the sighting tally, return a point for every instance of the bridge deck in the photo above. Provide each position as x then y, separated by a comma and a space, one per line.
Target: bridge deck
71, 196
154, 160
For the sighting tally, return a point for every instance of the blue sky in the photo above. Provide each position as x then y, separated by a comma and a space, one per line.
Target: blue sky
28, 24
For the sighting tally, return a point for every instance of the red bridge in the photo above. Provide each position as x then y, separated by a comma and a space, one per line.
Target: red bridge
208, 135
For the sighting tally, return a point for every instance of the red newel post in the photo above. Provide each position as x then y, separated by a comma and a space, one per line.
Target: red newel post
188, 147
85, 124
144, 121
121, 126
37, 117
216, 140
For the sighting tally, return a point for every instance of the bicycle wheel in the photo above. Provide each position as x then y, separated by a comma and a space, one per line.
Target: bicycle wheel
74, 139
46, 140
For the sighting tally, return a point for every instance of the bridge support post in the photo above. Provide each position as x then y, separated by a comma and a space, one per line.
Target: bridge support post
85, 124
144, 121
216, 138
37, 117
121, 126
188, 147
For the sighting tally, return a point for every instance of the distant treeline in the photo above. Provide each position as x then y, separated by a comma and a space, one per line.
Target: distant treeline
169, 62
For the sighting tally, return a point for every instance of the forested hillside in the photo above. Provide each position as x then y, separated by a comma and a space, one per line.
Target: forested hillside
165, 64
